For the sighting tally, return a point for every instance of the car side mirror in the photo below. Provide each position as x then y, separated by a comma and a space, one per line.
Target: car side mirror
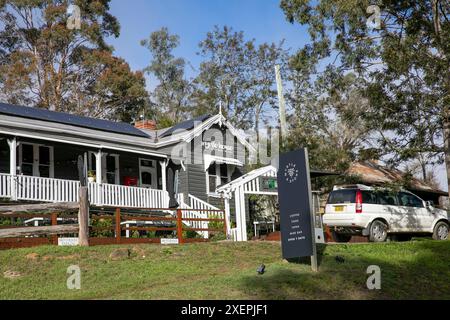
429, 204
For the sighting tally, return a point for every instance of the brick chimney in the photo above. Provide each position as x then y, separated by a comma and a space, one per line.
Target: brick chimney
145, 124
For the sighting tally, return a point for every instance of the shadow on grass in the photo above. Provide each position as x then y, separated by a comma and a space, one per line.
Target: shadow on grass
418, 270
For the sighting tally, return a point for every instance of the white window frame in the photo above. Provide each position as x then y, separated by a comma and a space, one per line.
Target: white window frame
116, 169
92, 166
36, 160
218, 178
156, 172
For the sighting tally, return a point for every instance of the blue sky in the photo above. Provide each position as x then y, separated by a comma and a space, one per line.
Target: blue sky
262, 20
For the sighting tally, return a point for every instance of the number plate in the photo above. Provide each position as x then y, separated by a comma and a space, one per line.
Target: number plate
339, 209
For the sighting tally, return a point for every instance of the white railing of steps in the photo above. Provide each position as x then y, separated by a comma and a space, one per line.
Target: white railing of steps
59, 190
198, 204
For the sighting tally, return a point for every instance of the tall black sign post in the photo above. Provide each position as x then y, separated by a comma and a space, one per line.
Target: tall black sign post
296, 209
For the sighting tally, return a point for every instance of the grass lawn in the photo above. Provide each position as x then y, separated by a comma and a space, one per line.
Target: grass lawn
410, 270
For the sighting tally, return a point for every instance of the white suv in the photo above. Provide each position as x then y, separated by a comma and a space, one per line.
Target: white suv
377, 213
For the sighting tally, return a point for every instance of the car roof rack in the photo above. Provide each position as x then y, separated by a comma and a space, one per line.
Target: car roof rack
352, 186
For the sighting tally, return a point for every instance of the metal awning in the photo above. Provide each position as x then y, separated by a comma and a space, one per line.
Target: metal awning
208, 159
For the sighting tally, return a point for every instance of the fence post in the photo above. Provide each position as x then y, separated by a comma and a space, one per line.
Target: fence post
54, 221
118, 226
225, 226
180, 226
83, 218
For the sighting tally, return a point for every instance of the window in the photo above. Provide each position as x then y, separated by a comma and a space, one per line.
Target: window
212, 178
409, 200
217, 175
224, 179
112, 169
27, 160
387, 198
148, 173
342, 196
36, 160
369, 197
44, 161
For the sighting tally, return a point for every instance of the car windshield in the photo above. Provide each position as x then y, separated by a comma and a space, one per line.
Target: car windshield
342, 196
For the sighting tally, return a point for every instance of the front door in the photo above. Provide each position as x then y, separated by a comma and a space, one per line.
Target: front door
36, 160
148, 173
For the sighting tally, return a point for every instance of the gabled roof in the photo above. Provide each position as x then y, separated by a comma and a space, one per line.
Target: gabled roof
70, 119
185, 125
188, 130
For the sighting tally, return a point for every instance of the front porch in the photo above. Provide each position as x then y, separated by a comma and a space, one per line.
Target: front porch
38, 189
34, 170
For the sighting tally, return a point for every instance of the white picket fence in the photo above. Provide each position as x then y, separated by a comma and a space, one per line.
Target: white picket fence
58, 190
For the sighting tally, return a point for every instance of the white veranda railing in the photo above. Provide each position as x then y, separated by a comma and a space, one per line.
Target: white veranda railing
58, 190
5, 186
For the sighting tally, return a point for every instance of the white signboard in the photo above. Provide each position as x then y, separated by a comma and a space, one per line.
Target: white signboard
67, 242
216, 146
169, 241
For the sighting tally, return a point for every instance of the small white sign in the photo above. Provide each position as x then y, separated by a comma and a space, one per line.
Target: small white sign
67, 242
211, 145
169, 241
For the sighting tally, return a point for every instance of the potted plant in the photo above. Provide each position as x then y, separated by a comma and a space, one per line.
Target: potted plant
91, 176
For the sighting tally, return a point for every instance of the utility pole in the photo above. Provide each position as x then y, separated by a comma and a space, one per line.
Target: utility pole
282, 104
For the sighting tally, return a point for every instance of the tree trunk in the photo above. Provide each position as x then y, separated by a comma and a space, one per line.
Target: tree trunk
447, 149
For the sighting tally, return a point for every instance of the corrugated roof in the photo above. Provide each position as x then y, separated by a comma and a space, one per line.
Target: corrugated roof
185, 125
371, 172
70, 119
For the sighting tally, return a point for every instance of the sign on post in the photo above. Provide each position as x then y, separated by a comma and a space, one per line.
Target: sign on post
296, 208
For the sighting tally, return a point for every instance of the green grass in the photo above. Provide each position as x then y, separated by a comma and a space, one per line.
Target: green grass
410, 270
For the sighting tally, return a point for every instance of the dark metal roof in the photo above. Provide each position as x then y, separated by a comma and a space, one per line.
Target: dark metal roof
186, 125
65, 118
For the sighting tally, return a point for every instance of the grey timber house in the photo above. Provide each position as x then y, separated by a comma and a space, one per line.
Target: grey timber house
130, 166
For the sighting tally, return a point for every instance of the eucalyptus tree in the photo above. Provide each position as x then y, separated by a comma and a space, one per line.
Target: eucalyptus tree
400, 49
171, 95
58, 59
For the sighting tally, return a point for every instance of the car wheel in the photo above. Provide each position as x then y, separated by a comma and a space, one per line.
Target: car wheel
441, 231
378, 231
341, 238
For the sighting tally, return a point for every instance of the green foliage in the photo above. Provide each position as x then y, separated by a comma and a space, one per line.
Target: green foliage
103, 223
239, 74
402, 68
45, 64
171, 95
190, 235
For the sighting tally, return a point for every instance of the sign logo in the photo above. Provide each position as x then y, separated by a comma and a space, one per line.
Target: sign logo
291, 172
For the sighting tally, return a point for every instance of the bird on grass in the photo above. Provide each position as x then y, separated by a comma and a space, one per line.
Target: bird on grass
261, 269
